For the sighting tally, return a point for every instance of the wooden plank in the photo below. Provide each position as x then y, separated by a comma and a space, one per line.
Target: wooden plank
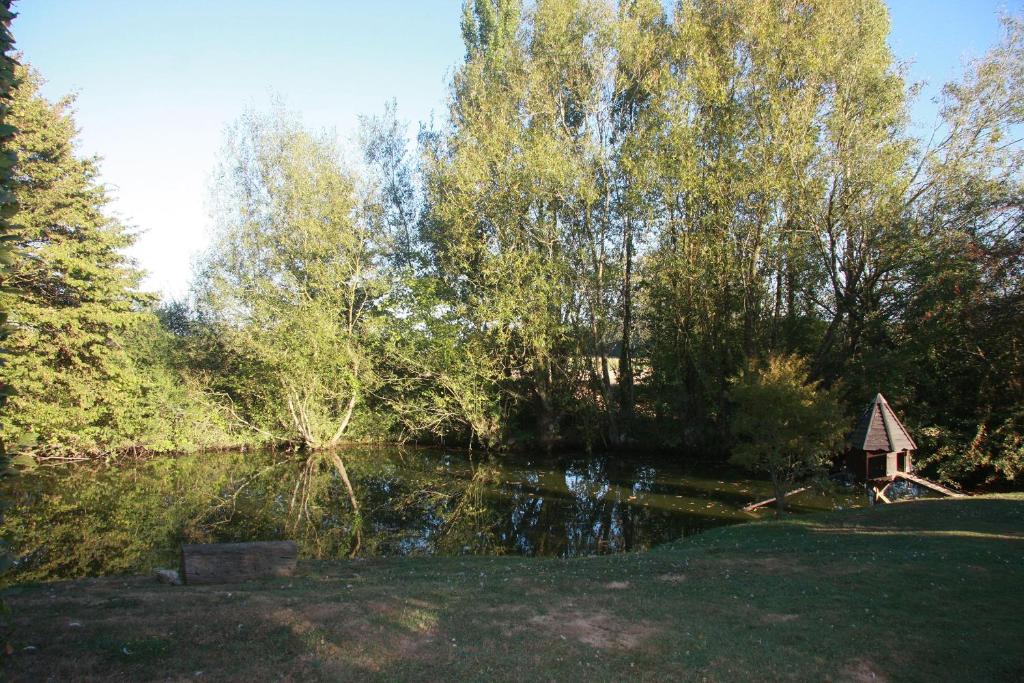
234, 562
930, 484
754, 506
881, 496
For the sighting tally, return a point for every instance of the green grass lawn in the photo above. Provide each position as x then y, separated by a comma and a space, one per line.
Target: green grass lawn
931, 590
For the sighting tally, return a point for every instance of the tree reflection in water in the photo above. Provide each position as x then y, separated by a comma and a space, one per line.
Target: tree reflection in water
97, 519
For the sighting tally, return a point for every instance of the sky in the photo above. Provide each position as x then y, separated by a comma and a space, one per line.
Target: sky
158, 82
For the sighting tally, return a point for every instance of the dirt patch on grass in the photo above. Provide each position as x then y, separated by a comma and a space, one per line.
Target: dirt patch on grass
770, 564
616, 585
299, 617
597, 628
672, 578
339, 635
775, 618
862, 671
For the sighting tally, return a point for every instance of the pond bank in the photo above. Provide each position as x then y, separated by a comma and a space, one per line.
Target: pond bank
928, 590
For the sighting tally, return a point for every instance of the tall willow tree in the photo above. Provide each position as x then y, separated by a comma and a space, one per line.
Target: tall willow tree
570, 120
292, 283
780, 179
72, 295
434, 381
697, 191
492, 234
640, 123
865, 238
522, 230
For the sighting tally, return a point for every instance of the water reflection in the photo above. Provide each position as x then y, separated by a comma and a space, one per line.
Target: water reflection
96, 520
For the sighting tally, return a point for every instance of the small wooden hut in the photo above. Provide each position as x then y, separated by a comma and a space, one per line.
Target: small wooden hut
880, 446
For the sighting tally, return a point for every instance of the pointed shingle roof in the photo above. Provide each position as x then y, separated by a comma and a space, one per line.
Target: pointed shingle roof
880, 430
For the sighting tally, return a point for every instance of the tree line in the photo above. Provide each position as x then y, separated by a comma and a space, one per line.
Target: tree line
625, 210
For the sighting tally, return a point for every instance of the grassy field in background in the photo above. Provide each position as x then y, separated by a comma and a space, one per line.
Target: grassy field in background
931, 590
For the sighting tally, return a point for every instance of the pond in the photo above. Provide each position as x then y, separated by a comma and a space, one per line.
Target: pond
84, 520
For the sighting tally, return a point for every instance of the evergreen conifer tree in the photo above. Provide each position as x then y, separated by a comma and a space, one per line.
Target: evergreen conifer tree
71, 294
7, 159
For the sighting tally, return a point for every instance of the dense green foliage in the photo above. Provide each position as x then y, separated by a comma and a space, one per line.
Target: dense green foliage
292, 284
628, 207
8, 205
959, 338
8, 67
80, 332
75, 292
625, 207
785, 425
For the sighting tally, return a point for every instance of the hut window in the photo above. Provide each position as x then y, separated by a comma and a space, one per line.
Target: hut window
876, 466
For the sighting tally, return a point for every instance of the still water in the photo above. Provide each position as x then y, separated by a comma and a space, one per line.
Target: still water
83, 520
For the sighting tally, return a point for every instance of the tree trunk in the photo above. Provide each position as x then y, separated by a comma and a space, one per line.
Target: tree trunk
780, 496
345, 419
546, 420
626, 353
609, 403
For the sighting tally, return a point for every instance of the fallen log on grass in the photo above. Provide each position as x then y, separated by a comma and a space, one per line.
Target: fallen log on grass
235, 562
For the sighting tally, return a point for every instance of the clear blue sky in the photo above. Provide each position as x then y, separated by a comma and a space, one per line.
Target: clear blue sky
158, 81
